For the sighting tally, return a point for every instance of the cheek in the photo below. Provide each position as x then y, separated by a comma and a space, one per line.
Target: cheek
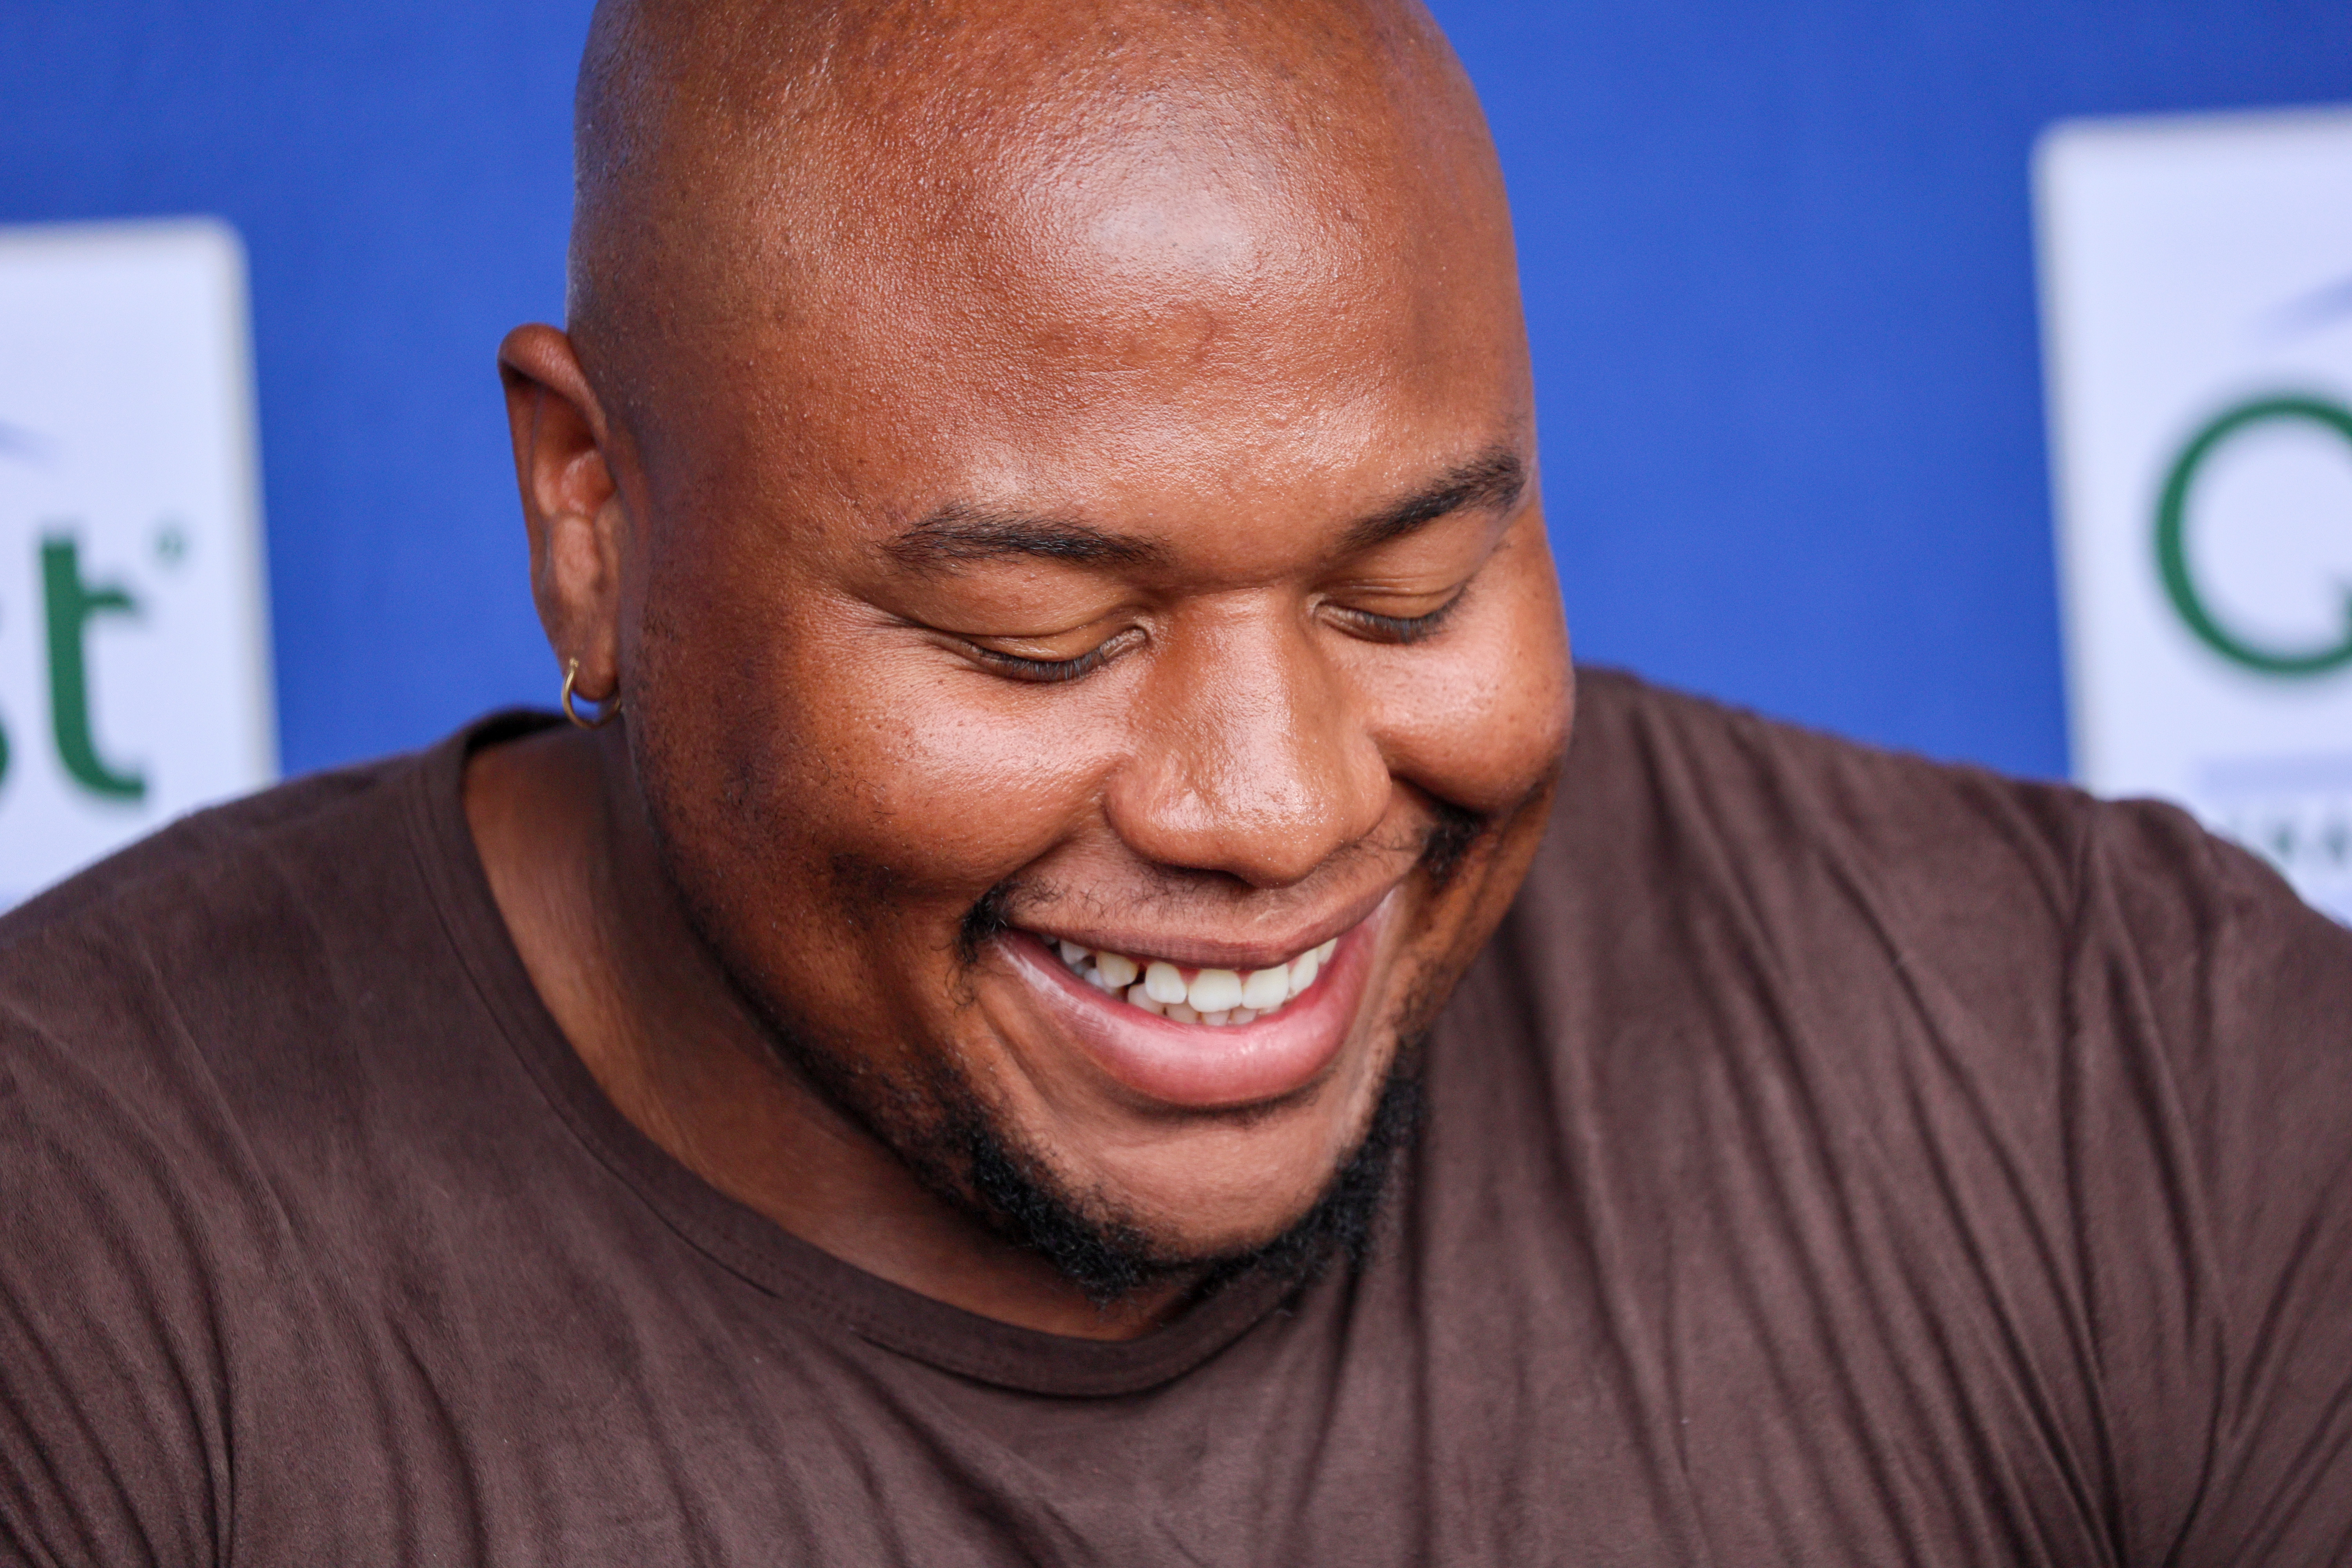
866, 782
831, 818
1482, 718
924, 773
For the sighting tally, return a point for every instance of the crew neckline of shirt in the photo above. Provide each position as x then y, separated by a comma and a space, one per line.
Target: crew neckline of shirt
740, 1239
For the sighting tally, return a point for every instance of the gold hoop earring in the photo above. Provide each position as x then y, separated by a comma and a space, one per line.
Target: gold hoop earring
609, 712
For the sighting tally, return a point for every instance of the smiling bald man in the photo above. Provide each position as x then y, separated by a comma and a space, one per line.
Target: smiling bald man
1067, 997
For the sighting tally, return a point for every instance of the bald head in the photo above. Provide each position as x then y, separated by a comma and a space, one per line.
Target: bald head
754, 163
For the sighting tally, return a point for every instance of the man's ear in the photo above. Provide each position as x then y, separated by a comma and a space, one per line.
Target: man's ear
569, 503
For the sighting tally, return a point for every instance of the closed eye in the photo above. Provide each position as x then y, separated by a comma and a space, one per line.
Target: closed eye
1049, 671
1378, 628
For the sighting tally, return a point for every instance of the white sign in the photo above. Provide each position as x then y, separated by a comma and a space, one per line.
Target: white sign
2197, 300
134, 669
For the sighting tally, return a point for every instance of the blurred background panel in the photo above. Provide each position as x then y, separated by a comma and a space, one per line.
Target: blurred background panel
134, 622
401, 177
2196, 302
1780, 268
1780, 271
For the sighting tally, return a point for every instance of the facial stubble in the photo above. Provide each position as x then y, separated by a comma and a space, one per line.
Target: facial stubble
966, 1152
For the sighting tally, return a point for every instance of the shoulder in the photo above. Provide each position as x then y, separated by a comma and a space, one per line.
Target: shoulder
184, 1059
239, 991
184, 1020
233, 915
141, 1236
1695, 819
138, 996
1936, 963
1695, 803
107, 980
1811, 1011
140, 983
205, 858
1697, 837
1691, 765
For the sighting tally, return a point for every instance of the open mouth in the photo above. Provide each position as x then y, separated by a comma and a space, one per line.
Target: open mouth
1198, 1036
1216, 997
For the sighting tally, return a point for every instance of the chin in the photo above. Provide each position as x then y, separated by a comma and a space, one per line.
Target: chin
1145, 1190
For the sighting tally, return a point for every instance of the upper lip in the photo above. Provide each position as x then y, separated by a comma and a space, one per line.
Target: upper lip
1196, 949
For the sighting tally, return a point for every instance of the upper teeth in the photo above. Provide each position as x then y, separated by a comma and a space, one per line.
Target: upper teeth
1209, 997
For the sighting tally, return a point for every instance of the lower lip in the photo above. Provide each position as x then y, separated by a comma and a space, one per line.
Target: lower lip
1198, 1066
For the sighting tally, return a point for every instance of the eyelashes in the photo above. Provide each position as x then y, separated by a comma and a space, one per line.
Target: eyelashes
1052, 671
1401, 630
1041, 671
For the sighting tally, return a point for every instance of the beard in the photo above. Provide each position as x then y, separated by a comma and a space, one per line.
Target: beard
966, 1153
969, 1157
963, 1150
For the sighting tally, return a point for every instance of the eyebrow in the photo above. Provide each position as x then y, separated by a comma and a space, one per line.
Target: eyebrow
1493, 481
960, 532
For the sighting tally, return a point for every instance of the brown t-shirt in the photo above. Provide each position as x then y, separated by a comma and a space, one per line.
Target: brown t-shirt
1835, 1159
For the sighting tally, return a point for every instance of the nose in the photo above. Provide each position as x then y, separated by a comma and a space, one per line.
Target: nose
1249, 755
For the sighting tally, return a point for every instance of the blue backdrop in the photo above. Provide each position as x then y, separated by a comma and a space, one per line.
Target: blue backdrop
1779, 270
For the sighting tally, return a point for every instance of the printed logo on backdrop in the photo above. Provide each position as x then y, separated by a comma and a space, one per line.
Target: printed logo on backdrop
133, 669
2197, 277
2332, 651
2297, 810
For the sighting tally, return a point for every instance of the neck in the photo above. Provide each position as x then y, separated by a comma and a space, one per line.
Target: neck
573, 866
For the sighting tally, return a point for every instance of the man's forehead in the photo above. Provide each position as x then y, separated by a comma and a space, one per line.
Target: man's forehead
972, 442
1303, 327
1166, 269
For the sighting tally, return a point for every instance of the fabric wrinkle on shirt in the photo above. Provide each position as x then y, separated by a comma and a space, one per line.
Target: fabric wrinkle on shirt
1834, 1158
